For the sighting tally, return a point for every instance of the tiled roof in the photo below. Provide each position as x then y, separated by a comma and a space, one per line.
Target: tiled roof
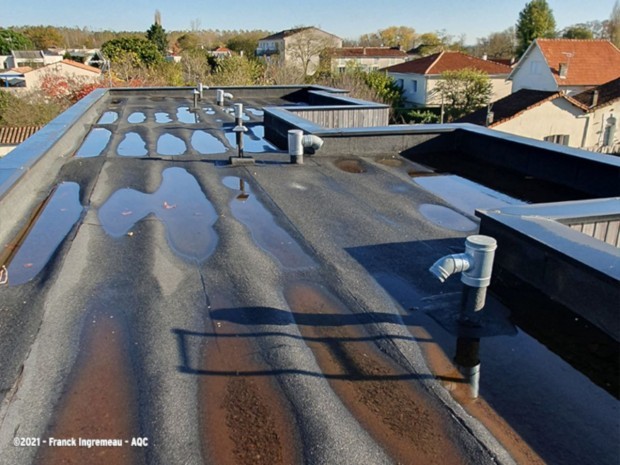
607, 93
28, 54
371, 52
289, 32
16, 135
448, 61
82, 66
21, 69
590, 62
510, 106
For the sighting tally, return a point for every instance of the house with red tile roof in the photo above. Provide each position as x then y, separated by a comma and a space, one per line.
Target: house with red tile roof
569, 65
366, 58
418, 78
31, 79
586, 120
12, 136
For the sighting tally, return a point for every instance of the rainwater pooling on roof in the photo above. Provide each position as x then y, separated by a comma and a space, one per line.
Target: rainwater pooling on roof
59, 216
136, 117
207, 144
94, 143
185, 115
108, 117
179, 204
265, 231
170, 145
253, 141
162, 117
132, 145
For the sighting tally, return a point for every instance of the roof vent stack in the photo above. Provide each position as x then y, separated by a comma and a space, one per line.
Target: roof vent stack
563, 70
594, 99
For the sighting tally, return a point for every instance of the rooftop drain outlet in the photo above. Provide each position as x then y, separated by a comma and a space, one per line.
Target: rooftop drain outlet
267, 234
220, 95
179, 204
475, 266
94, 143
297, 142
59, 214
132, 146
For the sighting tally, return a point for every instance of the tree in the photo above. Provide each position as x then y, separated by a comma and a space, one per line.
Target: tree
464, 91
497, 45
236, 71
11, 40
577, 31
429, 43
44, 37
134, 50
385, 87
305, 47
246, 42
188, 41
157, 35
535, 20
614, 25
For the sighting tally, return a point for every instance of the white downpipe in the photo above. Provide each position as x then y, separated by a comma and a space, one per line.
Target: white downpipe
476, 264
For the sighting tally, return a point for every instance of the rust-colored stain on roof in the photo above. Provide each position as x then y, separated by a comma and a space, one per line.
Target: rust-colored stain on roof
16, 135
369, 52
590, 62
449, 61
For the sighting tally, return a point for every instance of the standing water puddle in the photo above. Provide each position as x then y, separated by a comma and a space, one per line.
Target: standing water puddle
167, 144
255, 112
108, 117
206, 143
62, 211
179, 204
262, 225
253, 140
184, 115
463, 194
94, 143
447, 218
162, 117
137, 117
209, 111
132, 146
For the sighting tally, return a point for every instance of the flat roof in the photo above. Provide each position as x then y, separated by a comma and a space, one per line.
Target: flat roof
263, 313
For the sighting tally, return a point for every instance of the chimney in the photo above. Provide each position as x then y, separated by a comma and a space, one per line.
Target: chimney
594, 99
364, 51
563, 70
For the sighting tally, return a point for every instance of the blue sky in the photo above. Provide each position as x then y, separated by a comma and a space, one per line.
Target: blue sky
345, 18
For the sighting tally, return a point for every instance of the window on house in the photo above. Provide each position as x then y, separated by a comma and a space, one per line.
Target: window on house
414, 86
561, 139
342, 69
400, 83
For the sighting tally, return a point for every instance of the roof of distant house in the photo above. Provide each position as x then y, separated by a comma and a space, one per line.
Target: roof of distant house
448, 61
11, 135
513, 105
370, 52
607, 93
289, 32
81, 66
27, 54
589, 62
20, 70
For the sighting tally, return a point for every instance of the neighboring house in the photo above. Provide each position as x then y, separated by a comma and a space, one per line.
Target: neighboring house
11, 137
570, 65
418, 78
31, 79
14, 78
30, 58
366, 58
587, 120
301, 47
91, 57
221, 52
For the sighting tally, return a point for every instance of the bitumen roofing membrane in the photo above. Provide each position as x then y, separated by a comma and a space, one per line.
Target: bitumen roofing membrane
266, 313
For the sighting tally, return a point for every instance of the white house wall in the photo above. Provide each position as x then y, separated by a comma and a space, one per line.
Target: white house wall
557, 117
598, 121
534, 73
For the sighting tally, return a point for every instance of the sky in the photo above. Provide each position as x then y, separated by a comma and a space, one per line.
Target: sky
345, 18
